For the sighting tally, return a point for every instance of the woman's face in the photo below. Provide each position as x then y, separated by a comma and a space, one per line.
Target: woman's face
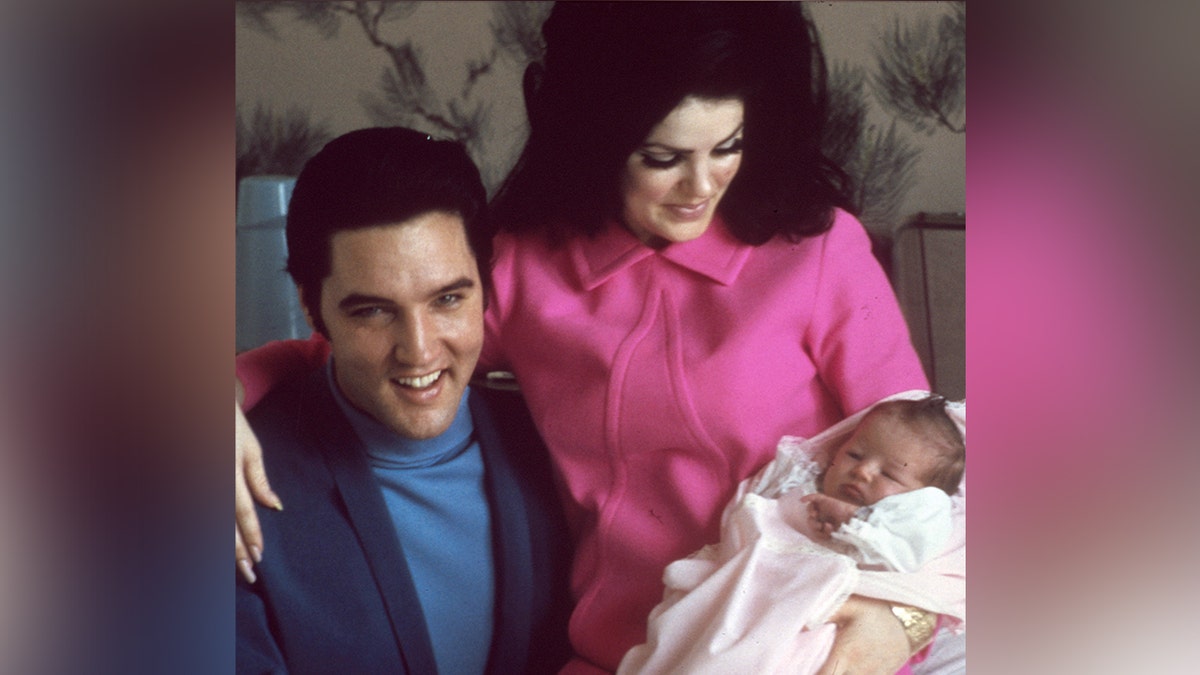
674, 180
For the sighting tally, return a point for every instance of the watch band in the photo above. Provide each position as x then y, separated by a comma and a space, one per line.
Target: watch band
918, 625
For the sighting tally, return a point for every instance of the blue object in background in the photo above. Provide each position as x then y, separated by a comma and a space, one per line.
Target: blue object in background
267, 306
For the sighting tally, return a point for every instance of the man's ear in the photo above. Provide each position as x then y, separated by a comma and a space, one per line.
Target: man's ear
304, 307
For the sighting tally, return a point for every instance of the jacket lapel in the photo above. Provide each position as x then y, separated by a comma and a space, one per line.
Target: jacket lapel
368, 514
511, 547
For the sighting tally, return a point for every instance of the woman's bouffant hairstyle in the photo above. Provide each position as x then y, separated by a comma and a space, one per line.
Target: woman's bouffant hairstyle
928, 415
379, 176
613, 70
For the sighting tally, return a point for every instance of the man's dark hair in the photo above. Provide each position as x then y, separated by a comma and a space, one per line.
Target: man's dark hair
379, 176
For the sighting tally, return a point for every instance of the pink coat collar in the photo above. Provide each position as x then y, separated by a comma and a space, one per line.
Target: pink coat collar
716, 254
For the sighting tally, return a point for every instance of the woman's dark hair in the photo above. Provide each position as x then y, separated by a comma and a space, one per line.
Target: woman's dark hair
929, 415
613, 70
379, 176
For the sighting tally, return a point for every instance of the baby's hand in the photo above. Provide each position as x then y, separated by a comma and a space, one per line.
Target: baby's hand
828, 513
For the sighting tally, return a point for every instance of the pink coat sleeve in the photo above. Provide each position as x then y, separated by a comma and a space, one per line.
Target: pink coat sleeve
858, 337
261, 368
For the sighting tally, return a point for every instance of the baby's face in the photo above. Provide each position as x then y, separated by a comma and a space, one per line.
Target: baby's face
882, 457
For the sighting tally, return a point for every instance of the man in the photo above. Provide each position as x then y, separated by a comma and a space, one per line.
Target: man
422, 533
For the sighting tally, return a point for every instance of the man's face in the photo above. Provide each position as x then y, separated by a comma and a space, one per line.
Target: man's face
403, 307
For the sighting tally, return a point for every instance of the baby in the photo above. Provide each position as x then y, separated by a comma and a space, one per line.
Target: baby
828, 518
886, 491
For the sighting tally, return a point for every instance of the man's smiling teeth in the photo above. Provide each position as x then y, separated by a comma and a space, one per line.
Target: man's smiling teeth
419, 382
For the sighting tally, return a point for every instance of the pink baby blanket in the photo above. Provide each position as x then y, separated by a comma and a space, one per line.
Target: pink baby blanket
759, 600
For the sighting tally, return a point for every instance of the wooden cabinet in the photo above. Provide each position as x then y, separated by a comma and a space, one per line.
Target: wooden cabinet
928, 271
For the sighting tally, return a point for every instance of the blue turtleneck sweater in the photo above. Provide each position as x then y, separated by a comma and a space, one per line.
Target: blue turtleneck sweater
434, 491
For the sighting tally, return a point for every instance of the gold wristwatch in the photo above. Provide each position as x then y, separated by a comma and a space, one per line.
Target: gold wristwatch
918, 625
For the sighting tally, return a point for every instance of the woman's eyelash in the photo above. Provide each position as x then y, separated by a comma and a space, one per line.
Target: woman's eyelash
733, 148
660, 163
653, 162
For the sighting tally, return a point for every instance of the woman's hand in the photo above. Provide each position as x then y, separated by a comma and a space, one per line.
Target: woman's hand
250, 478
870, 640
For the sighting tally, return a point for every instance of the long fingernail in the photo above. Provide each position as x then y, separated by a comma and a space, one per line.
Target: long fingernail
247, 570
256, 554
278, 504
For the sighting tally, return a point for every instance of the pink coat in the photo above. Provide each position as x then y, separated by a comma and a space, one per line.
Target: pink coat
661, 379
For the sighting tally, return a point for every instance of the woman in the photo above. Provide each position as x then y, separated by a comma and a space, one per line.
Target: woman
672, 265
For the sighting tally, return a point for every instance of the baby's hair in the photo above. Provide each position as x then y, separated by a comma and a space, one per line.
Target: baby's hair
929, 414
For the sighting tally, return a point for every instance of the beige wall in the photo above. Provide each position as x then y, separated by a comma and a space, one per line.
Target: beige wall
848, 31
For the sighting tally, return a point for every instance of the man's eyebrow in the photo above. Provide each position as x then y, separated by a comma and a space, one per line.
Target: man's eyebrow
356, 299
456, 285
668, 148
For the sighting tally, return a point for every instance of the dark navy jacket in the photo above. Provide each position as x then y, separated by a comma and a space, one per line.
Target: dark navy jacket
334, 594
